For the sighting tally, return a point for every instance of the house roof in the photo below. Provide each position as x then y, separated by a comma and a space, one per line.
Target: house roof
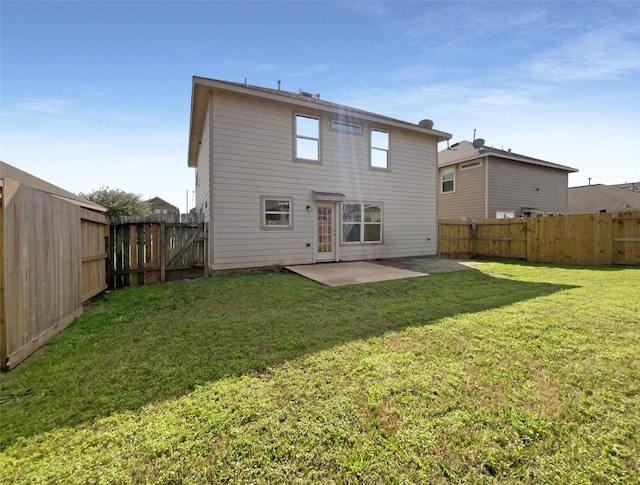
632, 186
465, 151
9, 171
159, 201
202, 86
594, 198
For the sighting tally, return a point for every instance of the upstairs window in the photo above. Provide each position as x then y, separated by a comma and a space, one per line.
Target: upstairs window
468, 165
448, 178
379, 149
344, 126
307, 138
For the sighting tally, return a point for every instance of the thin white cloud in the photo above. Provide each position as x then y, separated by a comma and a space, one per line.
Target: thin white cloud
256, 69
46, 105
89, 90
263, 67
307, 70
125, 117
448, 29
602, 54
413, 72
461, 98
300, 71
369, 8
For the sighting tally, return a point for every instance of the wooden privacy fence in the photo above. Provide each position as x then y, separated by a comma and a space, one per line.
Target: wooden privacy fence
52, 259
149, 250
601, 238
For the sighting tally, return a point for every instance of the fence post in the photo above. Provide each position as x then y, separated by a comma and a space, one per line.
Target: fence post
163, 251
473, 232
205, 231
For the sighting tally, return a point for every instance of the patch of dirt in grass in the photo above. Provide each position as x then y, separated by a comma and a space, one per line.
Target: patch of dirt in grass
387, 416
399, 341
550, 400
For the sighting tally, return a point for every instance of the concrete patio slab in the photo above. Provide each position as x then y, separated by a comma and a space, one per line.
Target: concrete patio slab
339, 274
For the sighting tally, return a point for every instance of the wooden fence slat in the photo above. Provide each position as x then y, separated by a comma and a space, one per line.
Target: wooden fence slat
52, 255
599, 238
151, 251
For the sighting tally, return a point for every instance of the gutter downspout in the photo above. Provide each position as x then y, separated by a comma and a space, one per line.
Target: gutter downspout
486, 187
211, 228
437, 188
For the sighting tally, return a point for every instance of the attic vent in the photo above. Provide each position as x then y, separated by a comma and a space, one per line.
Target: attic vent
428, 124
478, 143
306, 94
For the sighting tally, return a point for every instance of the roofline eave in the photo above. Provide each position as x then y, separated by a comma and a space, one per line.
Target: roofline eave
513, 158
203, 85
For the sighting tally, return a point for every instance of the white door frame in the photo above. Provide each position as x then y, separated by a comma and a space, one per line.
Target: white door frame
318, 228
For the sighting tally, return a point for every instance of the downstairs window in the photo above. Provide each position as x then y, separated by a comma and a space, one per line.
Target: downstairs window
361, 223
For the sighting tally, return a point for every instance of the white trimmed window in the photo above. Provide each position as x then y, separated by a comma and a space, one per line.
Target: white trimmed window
469, 165
277, 212
339, 125
447, 177
307, 138
379, 149
361, 223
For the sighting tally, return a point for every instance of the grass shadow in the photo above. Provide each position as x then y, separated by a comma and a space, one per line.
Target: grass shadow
140, 345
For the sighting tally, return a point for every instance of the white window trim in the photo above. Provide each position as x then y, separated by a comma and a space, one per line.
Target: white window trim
470, 165
505, 214
263, 212
442, 170
362, 224
340, 126
303, 137
387, 150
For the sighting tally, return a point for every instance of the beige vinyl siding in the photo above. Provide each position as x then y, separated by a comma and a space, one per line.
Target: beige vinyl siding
467, 199
253, 156
514, 185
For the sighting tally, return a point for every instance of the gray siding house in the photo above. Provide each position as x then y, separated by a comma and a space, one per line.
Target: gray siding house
287, 178
477, 182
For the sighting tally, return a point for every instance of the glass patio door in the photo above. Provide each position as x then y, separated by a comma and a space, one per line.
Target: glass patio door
325, 232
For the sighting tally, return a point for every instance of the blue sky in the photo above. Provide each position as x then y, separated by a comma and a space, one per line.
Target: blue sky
98, 93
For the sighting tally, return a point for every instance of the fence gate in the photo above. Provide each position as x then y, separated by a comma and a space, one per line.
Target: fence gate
149, 251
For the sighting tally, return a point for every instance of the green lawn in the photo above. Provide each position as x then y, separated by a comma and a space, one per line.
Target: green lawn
514, 372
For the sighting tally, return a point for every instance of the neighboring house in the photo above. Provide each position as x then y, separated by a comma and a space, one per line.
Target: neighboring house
600, 198
632, 186
476, 181
160, 206
287, 178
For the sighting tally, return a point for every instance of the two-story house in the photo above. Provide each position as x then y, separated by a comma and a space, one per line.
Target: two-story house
476, 181
287, 178
160, 207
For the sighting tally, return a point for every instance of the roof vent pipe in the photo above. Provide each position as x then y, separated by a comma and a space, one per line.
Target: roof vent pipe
279, 84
